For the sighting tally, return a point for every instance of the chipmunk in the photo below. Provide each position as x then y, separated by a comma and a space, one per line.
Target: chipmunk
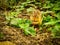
36, 17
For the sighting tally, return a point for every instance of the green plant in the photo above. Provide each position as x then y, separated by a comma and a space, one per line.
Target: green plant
52, 23
54, 26
24, 24
55, 31
47, 6
1, 35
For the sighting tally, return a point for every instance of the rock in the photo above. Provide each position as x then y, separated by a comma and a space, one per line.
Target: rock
7, 43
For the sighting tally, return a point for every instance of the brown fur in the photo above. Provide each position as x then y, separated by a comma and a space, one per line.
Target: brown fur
36, 17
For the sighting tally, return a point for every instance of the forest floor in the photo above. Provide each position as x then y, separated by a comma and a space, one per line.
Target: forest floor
16, 36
